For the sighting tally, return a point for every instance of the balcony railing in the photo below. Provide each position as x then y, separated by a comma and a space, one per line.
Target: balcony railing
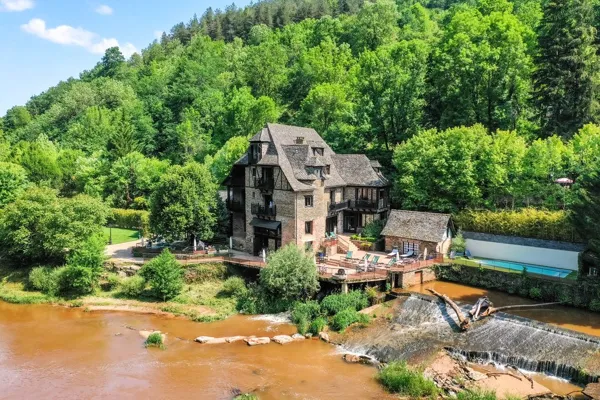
236, 205
264, 211
336, 207
369, 204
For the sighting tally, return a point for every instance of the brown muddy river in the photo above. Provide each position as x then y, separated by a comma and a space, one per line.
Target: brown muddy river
56, 353
566, 317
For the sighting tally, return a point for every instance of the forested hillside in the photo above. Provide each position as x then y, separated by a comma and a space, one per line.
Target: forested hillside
467, 104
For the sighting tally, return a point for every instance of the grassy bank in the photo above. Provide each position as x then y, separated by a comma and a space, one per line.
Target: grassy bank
205, 295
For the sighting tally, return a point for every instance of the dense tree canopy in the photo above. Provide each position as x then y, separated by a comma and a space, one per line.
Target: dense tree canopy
466, 103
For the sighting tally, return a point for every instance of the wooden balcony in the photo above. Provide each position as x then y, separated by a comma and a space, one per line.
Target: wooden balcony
262, 211
334, 208
369, 205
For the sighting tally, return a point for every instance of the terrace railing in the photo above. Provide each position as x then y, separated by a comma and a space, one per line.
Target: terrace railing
263, 211
369, 204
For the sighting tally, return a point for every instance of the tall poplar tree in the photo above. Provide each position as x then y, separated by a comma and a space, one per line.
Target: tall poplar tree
565, 83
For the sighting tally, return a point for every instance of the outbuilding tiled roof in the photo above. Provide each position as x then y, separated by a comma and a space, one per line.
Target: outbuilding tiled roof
424, 226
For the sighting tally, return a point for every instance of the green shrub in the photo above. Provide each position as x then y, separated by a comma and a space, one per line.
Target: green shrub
397, 377
335, 303
246, 396
317, 325
46, 280
133, 287
164, 275
373, 229
347, 317
113, 281
201, 273
595, 305
130, 219
371, 293
308, 310
90, 255
77, 281
290, 275
458, 243
535, 293
234, 287
476, 395
155, 340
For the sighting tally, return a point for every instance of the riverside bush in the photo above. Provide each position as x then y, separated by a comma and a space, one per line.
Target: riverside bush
347, 317
164, 275
234, 287
334, 303
133, 287
77, 281
535, 293
113, 281
45, 279
304, 314
201, 273
478, 395
317, 325
398, 377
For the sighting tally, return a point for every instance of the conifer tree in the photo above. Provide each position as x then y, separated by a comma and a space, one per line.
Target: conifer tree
565, 83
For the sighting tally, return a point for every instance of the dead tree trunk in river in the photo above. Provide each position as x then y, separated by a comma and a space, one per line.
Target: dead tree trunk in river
463, 322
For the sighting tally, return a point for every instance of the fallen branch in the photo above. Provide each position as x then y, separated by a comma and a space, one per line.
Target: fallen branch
464, 322
522, 374
491, 374
496, 309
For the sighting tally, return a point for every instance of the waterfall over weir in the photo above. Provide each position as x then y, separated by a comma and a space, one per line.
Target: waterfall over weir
423, 325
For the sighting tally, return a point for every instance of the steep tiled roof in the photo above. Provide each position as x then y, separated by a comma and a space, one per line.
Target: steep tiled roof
356, 170
292, 149
425, 226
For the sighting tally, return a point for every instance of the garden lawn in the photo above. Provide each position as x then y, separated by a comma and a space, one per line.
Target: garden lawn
120, 235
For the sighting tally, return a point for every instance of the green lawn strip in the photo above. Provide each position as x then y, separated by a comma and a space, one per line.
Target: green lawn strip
120, 235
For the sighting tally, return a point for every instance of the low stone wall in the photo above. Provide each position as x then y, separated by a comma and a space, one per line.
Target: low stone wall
580, 293
405, 280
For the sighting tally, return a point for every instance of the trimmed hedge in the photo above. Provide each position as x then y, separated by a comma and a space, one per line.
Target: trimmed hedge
527, 222
130, 219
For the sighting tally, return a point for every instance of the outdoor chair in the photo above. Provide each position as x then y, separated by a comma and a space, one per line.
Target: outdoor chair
391, 263
365, 258
349, 256
411, 253
374, 261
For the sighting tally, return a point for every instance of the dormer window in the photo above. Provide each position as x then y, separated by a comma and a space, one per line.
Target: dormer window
255, 153
317, 151
318, 172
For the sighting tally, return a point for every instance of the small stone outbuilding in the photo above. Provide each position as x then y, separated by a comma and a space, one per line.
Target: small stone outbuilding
416, 231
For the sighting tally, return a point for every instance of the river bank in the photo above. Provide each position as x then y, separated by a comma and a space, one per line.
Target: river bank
201, 299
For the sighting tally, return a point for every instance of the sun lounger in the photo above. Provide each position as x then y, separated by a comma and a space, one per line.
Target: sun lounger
391, 263
374, 261
349, 256
468, 254
394, 253
365, 258
409, 254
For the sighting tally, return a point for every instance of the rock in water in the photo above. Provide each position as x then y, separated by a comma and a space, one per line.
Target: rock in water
257, 341
297, 336
282, 339
324, 337
210, 340
308, 335
233, 339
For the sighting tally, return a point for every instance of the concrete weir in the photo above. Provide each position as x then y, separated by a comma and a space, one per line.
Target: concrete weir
423, 324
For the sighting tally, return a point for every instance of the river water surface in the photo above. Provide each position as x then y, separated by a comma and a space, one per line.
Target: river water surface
57, 353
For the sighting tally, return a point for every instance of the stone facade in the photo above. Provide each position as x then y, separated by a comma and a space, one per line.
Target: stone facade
268, 189
432, 247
